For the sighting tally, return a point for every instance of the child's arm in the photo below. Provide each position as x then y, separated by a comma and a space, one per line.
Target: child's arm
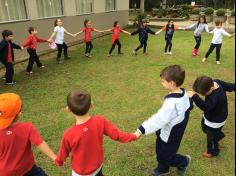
135, 32
52, 36
15, 46
158, 120
27, 42
108, 30
229, 87
151, 31
96, 30
126, 32
114, 133
78, 33
72, 35
41, 40
193, 26
47, 150
158, 32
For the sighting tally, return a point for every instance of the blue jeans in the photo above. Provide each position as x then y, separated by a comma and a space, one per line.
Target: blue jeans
212, 47
198, 40
36, 171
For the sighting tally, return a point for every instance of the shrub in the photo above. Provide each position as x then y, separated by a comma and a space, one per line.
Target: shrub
195, 11
175, 15
209, 11
233, 13
162, 12
220, 12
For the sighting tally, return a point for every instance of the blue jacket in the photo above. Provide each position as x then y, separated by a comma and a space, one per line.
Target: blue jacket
4, 50
143, 33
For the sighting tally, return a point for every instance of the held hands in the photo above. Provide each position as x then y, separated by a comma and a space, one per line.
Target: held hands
137, 134
22, 48
190, 94
232, 35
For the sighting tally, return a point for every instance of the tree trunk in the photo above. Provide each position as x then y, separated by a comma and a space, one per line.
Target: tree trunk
164, 4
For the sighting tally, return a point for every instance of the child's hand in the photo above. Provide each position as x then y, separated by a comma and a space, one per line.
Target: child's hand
190, 93
137, 134
22, 47
232, 35
49, 41
74, 35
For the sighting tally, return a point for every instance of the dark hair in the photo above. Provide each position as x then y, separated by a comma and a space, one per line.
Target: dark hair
86, 22
173, 73
218, 22
6, 33
31, 29
79, 101
55, 22
199, 19
203, 84
115, 23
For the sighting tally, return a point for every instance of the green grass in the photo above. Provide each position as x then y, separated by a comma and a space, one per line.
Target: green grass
127, 90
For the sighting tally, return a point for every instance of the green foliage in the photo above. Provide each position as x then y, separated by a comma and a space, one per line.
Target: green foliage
209, 11
195, 11
139, 18
233, 13
220, 12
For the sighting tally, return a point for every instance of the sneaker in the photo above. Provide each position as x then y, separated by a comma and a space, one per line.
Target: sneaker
182, 170
145, 54
28, 73
135, 52
3, 78
10, 83
109, 55
42, 67
204, 60
59, 62
170, 53
67, 57
166, 53
207, 155
89, 56
218, 62
155, 172
194, 52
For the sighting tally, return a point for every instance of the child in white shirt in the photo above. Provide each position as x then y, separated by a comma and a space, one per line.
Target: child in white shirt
216, 42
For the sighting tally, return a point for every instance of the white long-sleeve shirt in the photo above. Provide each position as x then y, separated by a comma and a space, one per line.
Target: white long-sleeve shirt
218, 34
172, 113
199, 28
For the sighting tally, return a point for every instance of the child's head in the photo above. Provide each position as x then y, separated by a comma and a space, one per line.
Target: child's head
203, 85
170, 22
87, 23
202, 19
144, 23
7, 35
79, 102
10, 109
58, 22
218, 23
116, 24
32, 30
172, 77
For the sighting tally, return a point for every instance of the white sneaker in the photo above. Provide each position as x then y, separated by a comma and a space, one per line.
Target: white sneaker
218, 62
170, 53
204, 60
165, 53
134, 52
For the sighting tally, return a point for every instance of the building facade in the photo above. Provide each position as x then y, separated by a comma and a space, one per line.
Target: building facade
19, 15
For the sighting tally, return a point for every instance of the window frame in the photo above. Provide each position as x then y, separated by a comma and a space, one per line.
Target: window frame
115, 10
21, 20
81, 14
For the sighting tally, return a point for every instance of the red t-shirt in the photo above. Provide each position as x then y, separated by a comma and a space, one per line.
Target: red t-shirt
9, 56
116, 34
32, 40
16, 156
88, 31
85, 143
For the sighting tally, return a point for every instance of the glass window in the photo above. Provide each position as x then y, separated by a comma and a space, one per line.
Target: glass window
11, 10
49, 8
84, 6
110, 5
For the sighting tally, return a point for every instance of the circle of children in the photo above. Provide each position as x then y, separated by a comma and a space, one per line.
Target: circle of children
84, 140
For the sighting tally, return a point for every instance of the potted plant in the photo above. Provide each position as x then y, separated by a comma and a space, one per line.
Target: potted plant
220, 15
232, 17
209, 14
194, 14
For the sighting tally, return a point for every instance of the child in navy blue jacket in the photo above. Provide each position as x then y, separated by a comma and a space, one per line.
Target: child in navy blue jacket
7, 55
215, 108
143, 31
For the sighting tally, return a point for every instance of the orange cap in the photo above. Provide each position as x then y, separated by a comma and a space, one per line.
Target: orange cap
10, 106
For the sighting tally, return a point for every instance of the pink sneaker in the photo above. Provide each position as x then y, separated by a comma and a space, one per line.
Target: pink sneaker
194, 52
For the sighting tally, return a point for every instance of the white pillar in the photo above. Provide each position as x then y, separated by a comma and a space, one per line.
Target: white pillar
142, 5
164, 4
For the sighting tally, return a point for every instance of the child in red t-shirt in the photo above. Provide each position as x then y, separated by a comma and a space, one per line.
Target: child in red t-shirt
17, 157
88, 29
31, 45
116, 37
84, 140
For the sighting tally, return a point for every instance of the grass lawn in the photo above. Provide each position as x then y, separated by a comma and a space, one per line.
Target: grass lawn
127, 90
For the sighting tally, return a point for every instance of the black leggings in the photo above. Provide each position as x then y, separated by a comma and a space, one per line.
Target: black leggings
143, 44
33, 58
59, 49
212, 47
117, 42
9, 71
36, 171
198, 40
168, 44
89, 47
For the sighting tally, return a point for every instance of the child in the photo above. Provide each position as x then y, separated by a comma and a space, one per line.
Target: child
7, 55
198, 27
17, 138
216, 42
87, 37
59, 31
31, 45
215, 108
84, 140
116, 37
143, 31
169, 123
170, 28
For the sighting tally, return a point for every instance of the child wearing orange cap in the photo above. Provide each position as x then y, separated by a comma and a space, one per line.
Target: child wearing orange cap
17, 138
